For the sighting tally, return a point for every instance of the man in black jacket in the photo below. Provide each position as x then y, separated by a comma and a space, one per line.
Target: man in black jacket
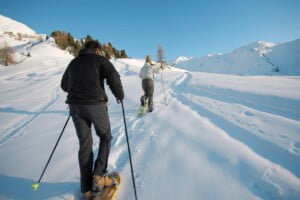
83, 80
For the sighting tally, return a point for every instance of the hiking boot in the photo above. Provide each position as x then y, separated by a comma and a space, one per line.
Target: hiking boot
143, 100
103, 181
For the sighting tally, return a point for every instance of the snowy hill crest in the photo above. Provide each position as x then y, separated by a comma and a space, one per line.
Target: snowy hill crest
264, 47
258, 58
180, 59
22, 41
10, 25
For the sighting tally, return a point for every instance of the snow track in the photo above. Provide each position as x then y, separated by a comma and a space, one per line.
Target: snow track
211, 105
17, 128
209, 134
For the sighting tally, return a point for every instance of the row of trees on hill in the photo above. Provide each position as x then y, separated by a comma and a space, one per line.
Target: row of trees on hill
67, 42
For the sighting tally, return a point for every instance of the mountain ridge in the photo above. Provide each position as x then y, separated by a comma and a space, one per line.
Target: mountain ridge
257, 58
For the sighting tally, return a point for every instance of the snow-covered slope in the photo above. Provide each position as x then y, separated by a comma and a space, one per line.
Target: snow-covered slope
10, 25
219, 136
286, 57
19, 37
238, 140
259, 58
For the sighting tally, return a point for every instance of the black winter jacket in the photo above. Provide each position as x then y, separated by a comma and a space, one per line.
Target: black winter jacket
84, 79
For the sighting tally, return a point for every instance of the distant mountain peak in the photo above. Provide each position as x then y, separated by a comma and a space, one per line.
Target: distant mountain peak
264, 47
181, 59
214, 54
257, 58
267, 44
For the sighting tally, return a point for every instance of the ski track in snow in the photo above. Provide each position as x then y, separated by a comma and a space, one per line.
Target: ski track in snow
262, 187
41, 76
144, 141
258, 185
19, 126
259, 145
134, 125
269, 104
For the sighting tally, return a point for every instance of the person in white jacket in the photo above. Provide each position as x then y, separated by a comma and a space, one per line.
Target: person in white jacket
147, 76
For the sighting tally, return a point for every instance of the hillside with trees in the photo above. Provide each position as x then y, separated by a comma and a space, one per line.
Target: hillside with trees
67, 42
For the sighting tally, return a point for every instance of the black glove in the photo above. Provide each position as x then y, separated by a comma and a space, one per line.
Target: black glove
120, 96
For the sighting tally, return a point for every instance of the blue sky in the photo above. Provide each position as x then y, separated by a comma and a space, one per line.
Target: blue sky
181, 27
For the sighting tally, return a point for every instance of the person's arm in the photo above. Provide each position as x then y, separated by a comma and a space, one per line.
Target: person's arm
64, 81
113, 79
156, 68
141, 73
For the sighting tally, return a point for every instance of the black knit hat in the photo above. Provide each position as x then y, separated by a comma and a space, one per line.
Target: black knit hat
92, 44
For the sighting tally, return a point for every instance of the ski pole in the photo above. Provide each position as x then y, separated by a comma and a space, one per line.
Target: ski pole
163, 85
129, 152
36, 185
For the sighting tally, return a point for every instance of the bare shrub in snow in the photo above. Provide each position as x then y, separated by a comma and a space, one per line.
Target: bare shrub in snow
6, 55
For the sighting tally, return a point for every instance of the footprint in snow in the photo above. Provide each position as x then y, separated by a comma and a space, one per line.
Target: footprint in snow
297, 145
139, 181
260, 131
283, 137
248, 113
30, 75
295, 148
153, 137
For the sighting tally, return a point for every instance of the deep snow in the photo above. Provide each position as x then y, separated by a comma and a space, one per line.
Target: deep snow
219, 137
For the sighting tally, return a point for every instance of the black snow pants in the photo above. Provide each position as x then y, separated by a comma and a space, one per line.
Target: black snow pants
83, 117
148, 87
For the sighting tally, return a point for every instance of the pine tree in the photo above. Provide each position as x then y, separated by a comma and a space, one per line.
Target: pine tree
123, 54
61, 39
71, 40
109, 49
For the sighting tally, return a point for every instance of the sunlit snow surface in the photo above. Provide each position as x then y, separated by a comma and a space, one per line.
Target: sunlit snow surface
218, 136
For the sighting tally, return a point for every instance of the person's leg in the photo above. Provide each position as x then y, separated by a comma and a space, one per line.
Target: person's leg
85, 154
103, 154
150, 103
144, 98
150, 95
100, 120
